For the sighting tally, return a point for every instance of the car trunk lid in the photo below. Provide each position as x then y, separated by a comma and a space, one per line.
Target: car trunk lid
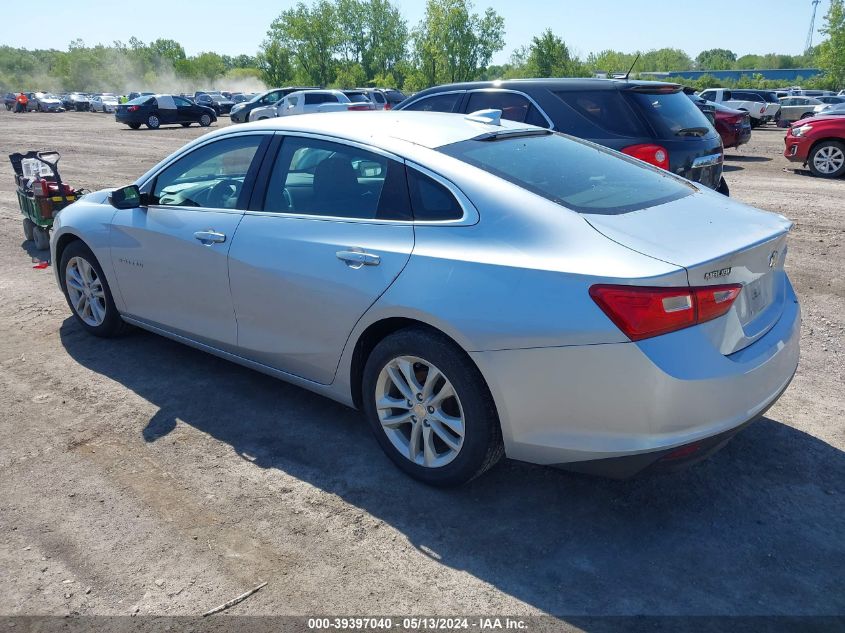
718, 241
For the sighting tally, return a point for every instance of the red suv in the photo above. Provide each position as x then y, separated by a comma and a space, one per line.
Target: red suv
818, 143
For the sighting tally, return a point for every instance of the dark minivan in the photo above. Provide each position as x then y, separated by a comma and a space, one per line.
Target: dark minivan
652, 121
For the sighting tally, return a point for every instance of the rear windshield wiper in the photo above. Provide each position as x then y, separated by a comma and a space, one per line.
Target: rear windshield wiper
692, 131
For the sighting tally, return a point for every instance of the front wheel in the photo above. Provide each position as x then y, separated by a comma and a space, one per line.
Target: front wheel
430, 409
153, 122
88, 293
827, 159
205, 120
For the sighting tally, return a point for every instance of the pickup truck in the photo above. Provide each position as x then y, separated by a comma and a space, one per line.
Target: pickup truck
757, 108
304, 102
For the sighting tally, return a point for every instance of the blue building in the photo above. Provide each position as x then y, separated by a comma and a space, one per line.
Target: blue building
786, 75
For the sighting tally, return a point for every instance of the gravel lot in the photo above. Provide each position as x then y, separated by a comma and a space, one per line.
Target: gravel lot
140, 476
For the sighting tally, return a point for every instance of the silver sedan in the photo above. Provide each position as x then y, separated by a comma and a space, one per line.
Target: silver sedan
477, 287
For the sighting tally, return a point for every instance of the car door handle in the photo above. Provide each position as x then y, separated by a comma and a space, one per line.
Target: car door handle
210, 237
356, 259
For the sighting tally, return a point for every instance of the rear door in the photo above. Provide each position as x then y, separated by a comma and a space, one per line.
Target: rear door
171, 258
168, 111
326, 238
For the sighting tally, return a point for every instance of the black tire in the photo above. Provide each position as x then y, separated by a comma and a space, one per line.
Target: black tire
28, 226
205, 120
153, 122
188, 124
134, 126
723, 187
837, 148
112, 325
806, 115
482, 443
40, 237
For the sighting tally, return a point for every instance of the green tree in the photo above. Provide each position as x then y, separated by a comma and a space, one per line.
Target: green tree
549, 56
831, 52
312, 37
453, 44
715, 59
609, 61
274, 63
664, 60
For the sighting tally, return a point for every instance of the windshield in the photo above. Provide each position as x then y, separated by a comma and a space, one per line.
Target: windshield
669, 113
577, 175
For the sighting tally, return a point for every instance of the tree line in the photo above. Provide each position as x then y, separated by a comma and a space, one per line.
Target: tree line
349, 43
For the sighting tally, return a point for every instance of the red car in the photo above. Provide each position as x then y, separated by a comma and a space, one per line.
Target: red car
819, 143
734, 126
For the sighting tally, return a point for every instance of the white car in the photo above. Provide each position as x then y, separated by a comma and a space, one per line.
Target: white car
302, 102
103, 103
757, 110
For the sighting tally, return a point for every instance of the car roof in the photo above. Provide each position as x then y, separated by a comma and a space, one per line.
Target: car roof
384, 128
550, 83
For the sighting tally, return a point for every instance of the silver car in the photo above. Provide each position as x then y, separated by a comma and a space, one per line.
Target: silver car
476, 286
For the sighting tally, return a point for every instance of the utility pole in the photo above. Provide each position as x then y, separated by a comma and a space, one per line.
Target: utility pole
809, 43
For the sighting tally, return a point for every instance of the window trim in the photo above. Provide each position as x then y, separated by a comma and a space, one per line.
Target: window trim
470, 213
517, 92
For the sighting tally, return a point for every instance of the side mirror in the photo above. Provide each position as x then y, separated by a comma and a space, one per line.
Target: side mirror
126, 197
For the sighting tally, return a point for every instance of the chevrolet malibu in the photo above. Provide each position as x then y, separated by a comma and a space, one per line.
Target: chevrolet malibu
477, 287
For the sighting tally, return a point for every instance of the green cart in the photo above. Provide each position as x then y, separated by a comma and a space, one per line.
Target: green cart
41, 193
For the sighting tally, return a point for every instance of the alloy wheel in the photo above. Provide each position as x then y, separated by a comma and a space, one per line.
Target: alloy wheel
829, 159
419, 411
85, 290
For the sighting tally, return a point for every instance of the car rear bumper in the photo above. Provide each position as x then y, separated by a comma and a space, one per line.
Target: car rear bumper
567, 406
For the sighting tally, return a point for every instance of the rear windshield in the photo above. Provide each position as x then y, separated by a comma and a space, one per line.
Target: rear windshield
671, 114
605, 108
577, 175
143, 100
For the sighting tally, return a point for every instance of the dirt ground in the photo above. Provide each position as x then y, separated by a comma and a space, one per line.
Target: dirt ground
140, 476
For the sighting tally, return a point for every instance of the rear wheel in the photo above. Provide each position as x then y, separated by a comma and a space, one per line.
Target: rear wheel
827, 159
87, 292
134, 126
40, 237
806, 115
28, 225
430, 408
153, 122
186, 124
205, 120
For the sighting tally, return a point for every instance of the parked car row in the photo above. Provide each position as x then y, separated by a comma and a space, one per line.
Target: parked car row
270, 101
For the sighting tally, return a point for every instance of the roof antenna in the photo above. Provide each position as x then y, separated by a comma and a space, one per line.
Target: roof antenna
636, 59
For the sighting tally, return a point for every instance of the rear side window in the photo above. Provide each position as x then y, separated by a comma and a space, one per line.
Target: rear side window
316, 177
708, 95
606, 109
431, 201
436, 103
670, 114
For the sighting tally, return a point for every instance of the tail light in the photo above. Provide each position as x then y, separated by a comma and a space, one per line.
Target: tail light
133, 108
762, 109
643, 312
388, 105
652, 154
358, 108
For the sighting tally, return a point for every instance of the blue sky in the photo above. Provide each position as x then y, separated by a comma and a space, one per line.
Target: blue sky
234, 27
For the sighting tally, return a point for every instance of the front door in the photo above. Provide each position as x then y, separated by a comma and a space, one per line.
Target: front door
331, 236
171, 257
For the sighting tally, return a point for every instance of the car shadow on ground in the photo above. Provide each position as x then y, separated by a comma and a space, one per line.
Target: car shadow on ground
729, 168
756, 529
35, 253
739, 158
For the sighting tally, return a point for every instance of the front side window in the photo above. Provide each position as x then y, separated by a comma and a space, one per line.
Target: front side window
316, 177
578, 176
211, 176
182, 102
436, 103
708, 95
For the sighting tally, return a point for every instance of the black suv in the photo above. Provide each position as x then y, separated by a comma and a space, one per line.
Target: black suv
652, 121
